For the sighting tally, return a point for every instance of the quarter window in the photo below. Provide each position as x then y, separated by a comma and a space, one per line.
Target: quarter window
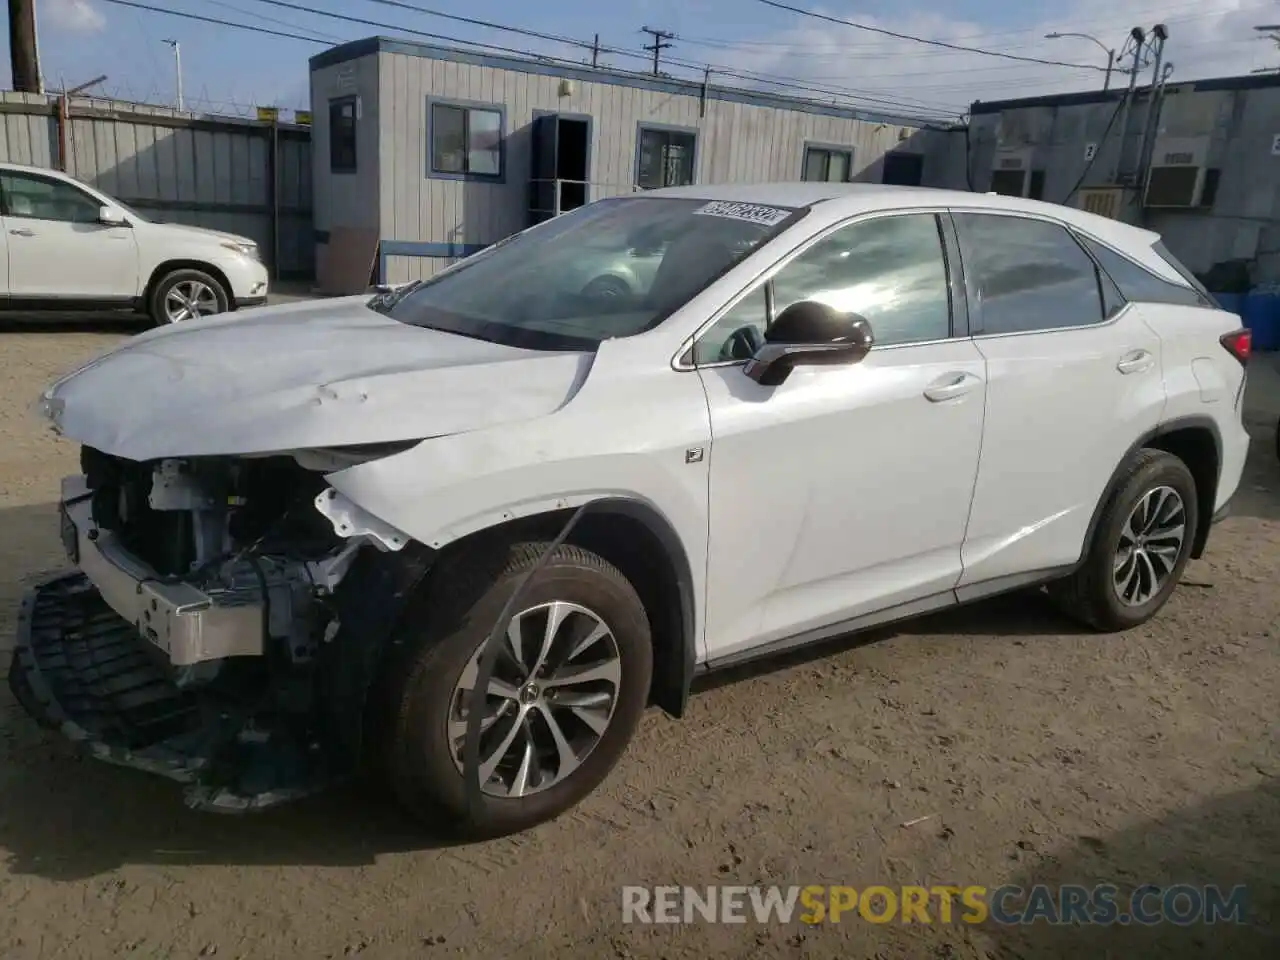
1137, 282
1029, 274
828, 164
890, 270
466, 141
342, 135
39, 198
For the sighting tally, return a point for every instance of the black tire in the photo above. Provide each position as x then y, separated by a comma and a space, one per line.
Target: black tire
431, 651
160, 292
1089, 595
606, 287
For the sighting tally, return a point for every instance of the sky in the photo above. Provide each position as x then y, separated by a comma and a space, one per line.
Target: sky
746, 42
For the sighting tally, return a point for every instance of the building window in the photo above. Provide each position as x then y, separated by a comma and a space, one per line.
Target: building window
1035, 190
342, 135
827, 164
665, 157
465, 140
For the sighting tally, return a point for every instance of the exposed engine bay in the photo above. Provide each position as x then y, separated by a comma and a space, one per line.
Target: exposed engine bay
224, 625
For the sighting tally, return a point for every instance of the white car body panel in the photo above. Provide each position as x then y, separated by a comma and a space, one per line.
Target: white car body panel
814, 518
839, 494
50, 259
1060, 417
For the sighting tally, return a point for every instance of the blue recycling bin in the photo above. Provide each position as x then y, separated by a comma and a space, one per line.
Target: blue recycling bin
1261, 314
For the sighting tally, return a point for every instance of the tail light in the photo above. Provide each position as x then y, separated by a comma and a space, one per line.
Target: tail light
1238, 343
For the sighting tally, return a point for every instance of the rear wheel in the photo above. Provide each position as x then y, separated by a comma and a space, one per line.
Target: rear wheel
185, 295
568, 688
1140, 548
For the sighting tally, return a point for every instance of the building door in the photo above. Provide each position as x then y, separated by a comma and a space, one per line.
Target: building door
559, 176
903, 169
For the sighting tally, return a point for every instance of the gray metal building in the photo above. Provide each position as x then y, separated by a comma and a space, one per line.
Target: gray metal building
1202, 167
422, 154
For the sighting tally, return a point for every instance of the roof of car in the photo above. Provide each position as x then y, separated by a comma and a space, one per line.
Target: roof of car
865, 197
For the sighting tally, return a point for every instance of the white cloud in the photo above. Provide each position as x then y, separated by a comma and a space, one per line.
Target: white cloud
76, 16
1208, 38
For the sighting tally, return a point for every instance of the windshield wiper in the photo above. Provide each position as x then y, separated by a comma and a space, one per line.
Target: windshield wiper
388, 296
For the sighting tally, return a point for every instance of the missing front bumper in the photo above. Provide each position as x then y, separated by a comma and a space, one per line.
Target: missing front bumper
80, 668
188, 624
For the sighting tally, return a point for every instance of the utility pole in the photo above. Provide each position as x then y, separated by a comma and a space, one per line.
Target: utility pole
22, 46
177, 67
1138, 37
595, 51
658, 45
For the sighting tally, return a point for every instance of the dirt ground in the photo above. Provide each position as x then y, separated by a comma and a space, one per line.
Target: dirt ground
1038, 753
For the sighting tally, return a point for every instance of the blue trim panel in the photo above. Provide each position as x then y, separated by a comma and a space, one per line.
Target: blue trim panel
644, 125
419, 248
830, 148
1249, 82
500, 109
591, 136
623, 78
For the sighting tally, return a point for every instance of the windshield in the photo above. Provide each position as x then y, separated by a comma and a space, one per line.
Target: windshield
613, 268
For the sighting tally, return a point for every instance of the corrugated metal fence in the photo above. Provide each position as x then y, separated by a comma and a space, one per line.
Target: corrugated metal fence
243, 176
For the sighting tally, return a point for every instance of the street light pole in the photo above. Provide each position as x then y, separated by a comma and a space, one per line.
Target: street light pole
177, 66
1111, 54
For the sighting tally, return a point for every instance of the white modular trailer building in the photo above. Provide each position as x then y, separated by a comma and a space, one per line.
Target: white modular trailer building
423, 154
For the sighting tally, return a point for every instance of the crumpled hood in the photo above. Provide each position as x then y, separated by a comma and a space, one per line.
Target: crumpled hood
312, 374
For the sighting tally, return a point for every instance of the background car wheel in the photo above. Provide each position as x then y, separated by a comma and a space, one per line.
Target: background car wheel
568, 690
606, 288
185, 294
1139, 550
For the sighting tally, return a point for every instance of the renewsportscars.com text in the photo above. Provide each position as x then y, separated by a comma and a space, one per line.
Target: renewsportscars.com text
1103, 904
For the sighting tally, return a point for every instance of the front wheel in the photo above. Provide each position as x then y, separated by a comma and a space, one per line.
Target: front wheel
185, 295
568, 688
1141, 545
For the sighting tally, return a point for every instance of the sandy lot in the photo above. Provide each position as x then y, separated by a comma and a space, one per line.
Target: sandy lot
1038, 753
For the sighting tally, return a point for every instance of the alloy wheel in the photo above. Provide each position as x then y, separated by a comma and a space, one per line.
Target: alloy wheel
553, 692
189, 299
1150, 544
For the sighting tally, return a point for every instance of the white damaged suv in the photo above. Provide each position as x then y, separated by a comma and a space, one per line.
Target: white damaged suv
829, 407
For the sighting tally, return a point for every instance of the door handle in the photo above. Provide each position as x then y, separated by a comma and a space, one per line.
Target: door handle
22, 232
951, 385
1136, 362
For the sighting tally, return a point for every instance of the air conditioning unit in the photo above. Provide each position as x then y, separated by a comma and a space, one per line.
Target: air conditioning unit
1009, 171
1176, 177
1103, 201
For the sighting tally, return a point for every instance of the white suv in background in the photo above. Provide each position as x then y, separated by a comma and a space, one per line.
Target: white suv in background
68, 246
829, 407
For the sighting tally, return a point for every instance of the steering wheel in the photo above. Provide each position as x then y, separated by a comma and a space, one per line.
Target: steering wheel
742, 344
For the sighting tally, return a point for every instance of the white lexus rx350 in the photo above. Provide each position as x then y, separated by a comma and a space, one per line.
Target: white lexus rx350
827, 407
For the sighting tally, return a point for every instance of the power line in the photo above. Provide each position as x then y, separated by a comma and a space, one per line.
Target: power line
1121, 23
213, 20
327, 37
434, 36
932, 43
794, 82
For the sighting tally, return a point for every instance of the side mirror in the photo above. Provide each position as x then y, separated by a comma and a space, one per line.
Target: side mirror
812, 333
111, 217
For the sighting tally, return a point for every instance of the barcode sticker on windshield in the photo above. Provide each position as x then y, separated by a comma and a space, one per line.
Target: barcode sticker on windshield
751, 212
